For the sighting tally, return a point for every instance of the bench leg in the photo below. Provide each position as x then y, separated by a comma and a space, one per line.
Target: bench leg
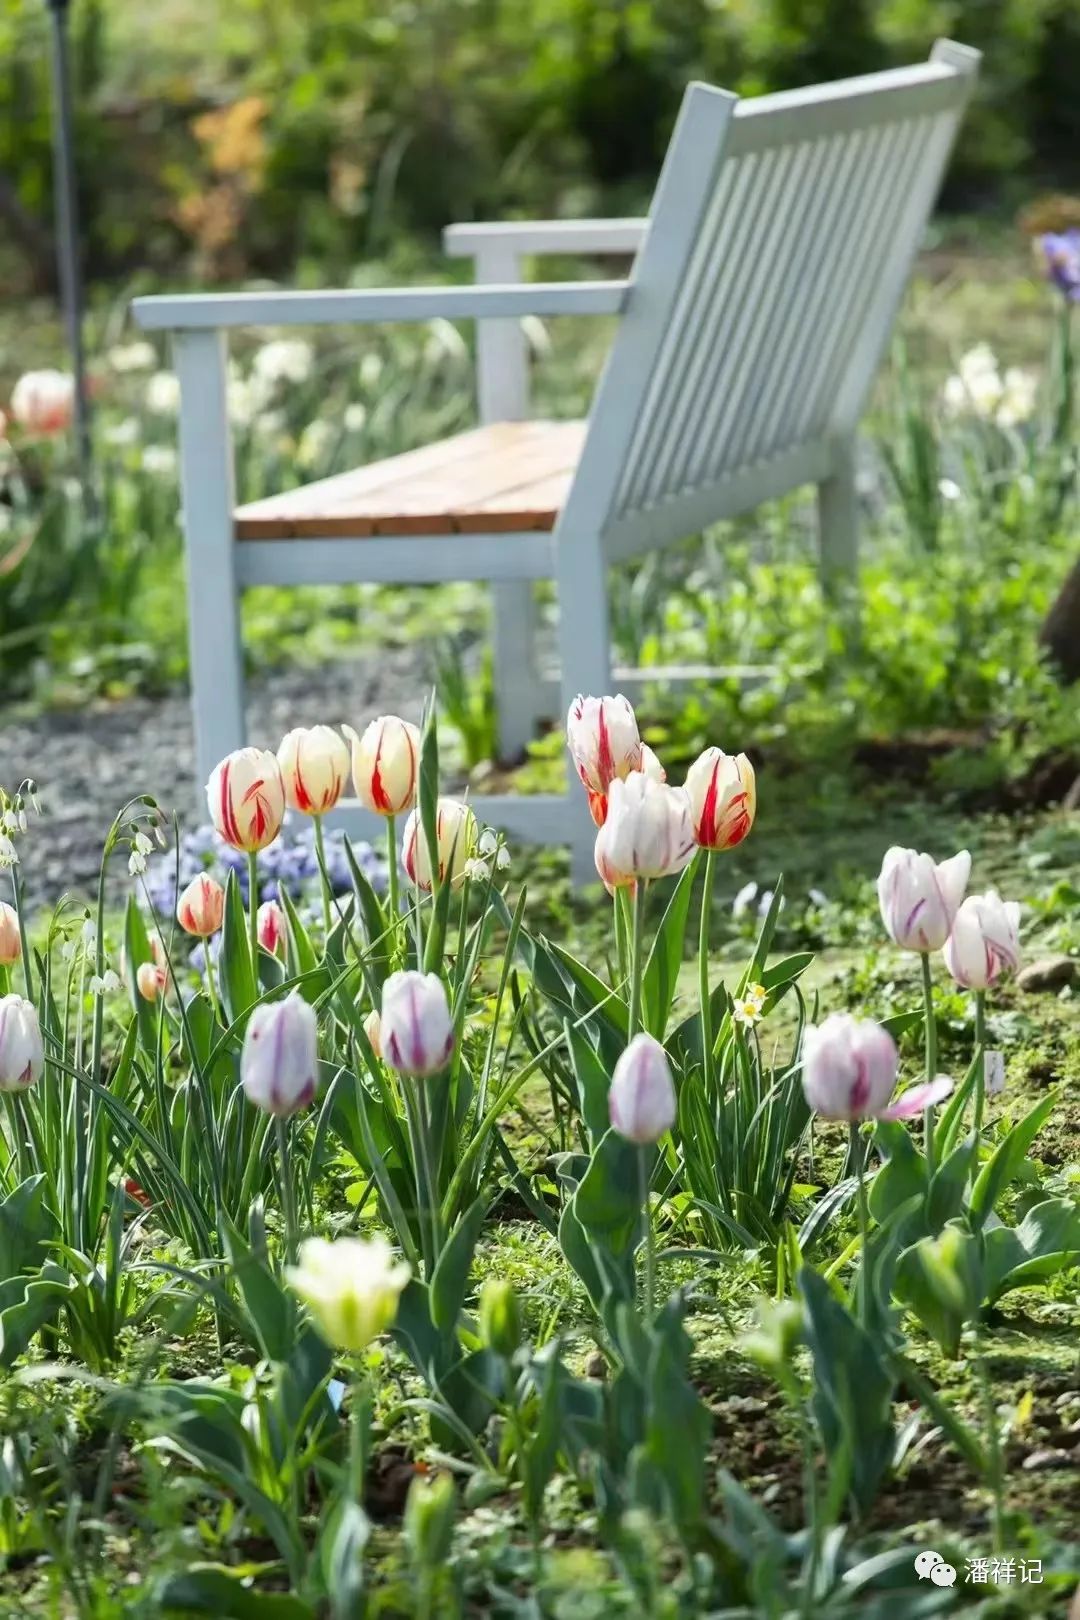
206, 473
585, 662
838, 520
515, 661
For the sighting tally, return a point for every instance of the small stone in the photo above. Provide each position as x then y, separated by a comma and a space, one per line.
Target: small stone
1048, 973
596, 1366
1038, 1461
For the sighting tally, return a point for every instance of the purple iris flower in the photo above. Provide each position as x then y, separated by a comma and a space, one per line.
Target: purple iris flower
1062, 253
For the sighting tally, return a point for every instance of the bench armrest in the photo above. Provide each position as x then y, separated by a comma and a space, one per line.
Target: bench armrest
585, 236
210, 311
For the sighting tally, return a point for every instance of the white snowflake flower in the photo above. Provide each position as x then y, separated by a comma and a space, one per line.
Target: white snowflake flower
143, 844
9, 855
101, 983
488, 842
136, 863
476, 868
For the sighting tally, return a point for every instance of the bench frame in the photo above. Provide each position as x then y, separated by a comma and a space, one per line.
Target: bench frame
610, 514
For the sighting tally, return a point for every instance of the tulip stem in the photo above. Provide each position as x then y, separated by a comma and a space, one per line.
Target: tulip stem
16, 887
429, 1193
324, 881
636, 964
393, 900
253, 915
980, 1058
644, 1180
931, 1060
703, 971
858, 1157
288, 1196
211, 987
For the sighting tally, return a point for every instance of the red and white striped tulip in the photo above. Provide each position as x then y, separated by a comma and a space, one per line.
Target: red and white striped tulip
246, 796
314, 764
43, 402
416, 1032
985, 941
10, 939
201, 907
22, 1056
455, 834
647, 832
386, 764
849, 1072
602, 736
918, 899
641, 1101
723, 798
279, 1058
271, 926
649, 764
151, 980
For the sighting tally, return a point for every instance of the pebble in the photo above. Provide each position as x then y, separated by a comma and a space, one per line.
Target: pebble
596, 1366
1038, 1461
1048, 973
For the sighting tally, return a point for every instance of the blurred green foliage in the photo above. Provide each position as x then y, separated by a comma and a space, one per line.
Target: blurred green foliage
258, 134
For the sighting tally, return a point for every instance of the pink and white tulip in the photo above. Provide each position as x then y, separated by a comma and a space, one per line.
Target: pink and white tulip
151, 981
314, 764
22, 1056
456, 835
984, 944
279, 1058
43, 402
271, 927
602, 736
10, 939
849, 1072
722, 792
647, 832
201, 907
246, 796
386, 764
641, 1101
919, 900
416, 1033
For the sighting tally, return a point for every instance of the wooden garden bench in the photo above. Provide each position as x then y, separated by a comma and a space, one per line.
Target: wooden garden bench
761, 298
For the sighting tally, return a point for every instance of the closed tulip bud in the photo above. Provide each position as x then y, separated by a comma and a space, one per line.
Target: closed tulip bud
351, 1287
985, 941
279, 1057
272, 928
723, 798
849, 1071
429, 1520
385, 764
151, 980
647, 833
201, 907
373, 1031
10, 940
246, 797
455, 834
43, 401
499, 1316
416, 1031
641, 1101
314, 764
602, 736
22, 1056
918, 899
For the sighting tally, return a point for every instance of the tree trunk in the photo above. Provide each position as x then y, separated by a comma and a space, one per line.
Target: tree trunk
1060, 633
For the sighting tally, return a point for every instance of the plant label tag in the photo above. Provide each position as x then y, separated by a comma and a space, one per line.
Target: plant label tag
994, 1073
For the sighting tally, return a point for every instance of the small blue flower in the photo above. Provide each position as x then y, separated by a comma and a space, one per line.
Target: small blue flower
1062, 253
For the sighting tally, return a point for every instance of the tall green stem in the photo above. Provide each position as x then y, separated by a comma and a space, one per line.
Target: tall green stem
993, 1447
28, 976
636, 954
324, 881
393, 897
430, 1191
703, 974
644, 1180
288, 1194
858, 1155
253, 914
211, 986
931, 1059
980, 1050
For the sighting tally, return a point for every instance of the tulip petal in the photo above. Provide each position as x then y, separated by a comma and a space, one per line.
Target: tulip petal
917, 1099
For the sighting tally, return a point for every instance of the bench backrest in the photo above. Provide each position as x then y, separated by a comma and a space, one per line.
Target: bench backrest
780, 238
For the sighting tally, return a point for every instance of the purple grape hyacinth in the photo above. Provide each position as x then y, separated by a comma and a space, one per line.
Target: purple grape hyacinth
1061, 250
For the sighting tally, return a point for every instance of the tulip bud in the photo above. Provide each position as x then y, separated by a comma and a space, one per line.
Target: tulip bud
272, 928
10, 940
351, 1288
849, 1067
43, 401
22, 1056
429, 1520
985, 941
455, 834
416, 1031
280, 1055
641, 1101
314, 764
499, 1316
723, 798
919, 900
246, 797
647, 833
602, 736
151, 980
385, 764
201, 907
373, 1031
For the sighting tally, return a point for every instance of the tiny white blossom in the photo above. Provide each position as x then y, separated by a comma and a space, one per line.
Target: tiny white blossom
9, 855
489, 841
742, 901
476, 868
101, 983
502, 859
137, 863
9, 822
143, 844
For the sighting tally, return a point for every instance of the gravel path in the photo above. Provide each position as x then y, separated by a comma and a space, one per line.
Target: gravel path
89, 762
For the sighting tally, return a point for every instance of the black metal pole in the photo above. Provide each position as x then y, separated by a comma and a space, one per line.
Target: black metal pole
67, 238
